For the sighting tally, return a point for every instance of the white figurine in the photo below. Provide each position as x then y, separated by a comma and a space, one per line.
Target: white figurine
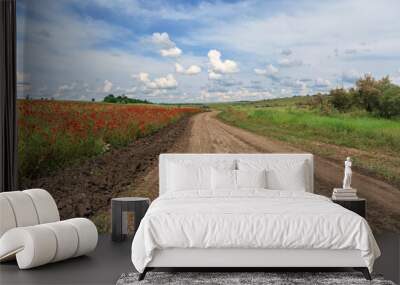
347, 174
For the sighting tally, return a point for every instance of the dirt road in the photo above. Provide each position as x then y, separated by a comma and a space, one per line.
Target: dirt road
206, 134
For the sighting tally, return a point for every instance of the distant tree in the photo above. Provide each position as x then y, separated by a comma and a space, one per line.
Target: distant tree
340, 99
93, 100
389, 102
110, 99
368, 92
384, 83
123, 99
379, 97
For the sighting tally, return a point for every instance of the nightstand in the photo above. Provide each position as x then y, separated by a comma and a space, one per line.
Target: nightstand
120, 207
358, 206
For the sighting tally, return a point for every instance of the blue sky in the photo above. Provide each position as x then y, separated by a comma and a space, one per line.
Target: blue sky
202, 51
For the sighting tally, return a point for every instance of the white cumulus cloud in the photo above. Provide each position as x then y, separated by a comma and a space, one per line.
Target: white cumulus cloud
259, 71
167, 82
142, 76
191, 70
270, 70
179, 68
171, 52
288, 62
162, 39
167, 47
219, 66
213, 75
107, 86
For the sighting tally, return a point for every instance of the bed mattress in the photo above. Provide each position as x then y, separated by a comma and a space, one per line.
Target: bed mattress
250, 219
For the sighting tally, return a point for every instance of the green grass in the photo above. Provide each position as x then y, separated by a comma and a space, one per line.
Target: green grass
305, 128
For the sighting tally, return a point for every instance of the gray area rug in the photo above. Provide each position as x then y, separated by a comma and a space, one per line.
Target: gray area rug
228, 278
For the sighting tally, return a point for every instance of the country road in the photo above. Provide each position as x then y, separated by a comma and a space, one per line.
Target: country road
206, 134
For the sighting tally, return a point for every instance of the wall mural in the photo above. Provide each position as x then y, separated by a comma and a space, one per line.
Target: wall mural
104, 87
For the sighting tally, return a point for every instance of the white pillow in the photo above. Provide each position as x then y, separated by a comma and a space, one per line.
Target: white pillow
215, 163
251, 179
292, 180
223, 179
188, 177
282, 174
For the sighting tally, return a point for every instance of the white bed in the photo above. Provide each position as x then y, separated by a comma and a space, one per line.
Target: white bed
201, 223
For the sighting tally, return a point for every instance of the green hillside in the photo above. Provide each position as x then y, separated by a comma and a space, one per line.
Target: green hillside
314, 124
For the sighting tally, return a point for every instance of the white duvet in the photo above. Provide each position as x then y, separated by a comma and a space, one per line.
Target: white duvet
250, 219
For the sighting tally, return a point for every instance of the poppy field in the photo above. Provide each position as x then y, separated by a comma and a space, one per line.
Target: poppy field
53, 134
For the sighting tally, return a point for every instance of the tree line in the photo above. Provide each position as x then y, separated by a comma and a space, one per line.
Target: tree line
122, 99
378, 97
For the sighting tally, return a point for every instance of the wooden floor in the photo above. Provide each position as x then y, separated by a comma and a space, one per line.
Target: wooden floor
111, 259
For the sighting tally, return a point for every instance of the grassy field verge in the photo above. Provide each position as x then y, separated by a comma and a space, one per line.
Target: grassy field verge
374, 143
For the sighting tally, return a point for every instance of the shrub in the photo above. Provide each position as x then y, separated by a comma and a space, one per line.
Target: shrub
123, 100
368, 92
341, 99
368, 98
110, 99
380, 97
389, 102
